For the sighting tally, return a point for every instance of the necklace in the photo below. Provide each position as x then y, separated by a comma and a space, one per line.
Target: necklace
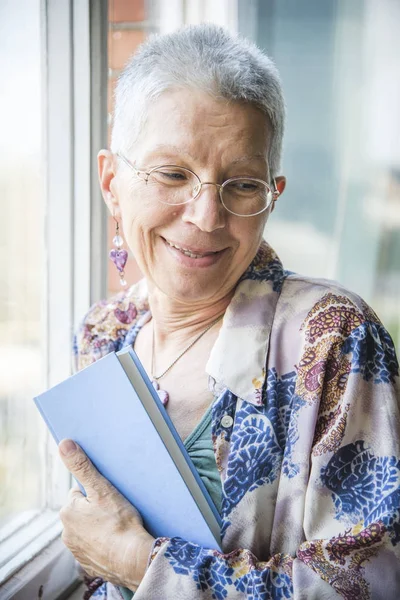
163, 394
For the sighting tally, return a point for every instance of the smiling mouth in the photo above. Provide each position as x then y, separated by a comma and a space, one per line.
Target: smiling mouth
189, 253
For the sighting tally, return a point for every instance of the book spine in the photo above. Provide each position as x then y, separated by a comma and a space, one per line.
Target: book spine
121, 355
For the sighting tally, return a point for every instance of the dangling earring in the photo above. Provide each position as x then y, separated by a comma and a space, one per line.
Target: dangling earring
119, 256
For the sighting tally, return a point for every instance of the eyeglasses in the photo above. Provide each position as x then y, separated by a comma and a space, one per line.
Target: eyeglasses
173, 185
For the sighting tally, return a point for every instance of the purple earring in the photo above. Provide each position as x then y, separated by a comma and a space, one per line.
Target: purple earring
118, 255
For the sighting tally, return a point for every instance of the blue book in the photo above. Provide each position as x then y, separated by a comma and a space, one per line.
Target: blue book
113, 412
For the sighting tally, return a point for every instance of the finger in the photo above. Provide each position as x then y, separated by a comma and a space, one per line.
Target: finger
75, 495
81, 467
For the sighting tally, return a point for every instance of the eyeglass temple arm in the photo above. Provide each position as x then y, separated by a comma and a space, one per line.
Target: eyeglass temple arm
126, 161
275, 191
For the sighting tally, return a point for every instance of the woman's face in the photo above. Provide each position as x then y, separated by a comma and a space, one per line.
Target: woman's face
217, 140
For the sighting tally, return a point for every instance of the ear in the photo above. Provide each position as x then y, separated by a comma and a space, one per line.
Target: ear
107, 170
280, 183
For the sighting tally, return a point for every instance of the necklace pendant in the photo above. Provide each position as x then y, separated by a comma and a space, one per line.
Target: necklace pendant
162, 394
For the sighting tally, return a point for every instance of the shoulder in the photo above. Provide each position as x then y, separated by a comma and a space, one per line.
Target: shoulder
323, 306
105, 326
336, 325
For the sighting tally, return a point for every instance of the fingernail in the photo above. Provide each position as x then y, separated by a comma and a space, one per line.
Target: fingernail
68, 447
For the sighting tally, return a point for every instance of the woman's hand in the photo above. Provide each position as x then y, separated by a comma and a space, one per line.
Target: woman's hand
103, 530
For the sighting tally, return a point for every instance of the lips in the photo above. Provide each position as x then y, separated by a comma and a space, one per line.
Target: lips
191, 253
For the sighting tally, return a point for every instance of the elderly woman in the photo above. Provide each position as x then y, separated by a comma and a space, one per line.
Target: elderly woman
282, 387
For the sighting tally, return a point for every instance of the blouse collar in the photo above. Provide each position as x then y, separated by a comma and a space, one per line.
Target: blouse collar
238, 358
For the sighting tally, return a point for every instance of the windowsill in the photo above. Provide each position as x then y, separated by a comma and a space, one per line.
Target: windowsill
27, 541
43, 562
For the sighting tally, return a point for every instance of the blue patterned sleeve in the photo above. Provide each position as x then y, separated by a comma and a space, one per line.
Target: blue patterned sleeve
180, 569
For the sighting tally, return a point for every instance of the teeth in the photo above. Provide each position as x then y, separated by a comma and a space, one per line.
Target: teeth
186, 252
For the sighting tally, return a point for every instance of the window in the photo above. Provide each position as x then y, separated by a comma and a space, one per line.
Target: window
340, 215
21, 262
53, 101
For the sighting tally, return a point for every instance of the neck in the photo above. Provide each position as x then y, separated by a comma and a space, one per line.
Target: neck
177, 322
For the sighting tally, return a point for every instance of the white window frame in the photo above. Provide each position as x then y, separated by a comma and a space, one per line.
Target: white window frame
74, 50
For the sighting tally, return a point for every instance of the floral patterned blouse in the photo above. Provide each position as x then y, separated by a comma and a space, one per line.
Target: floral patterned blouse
310, 463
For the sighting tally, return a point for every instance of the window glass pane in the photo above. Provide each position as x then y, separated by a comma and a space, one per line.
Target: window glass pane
21, 257
340, 215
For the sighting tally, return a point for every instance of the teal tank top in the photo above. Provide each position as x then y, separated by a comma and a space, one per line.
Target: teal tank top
200, 449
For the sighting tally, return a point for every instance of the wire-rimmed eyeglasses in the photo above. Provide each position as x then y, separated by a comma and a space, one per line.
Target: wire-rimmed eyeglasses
241, 196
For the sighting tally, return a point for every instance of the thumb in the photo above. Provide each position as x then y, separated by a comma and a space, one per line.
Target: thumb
80, 466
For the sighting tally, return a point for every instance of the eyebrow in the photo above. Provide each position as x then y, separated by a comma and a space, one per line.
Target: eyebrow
170, 147
249, 158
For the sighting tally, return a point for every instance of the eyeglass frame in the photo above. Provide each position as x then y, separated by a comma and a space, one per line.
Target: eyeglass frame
138, 172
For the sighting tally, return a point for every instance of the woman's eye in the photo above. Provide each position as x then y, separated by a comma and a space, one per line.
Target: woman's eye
173, 175
243, 186
170, 176
247, 186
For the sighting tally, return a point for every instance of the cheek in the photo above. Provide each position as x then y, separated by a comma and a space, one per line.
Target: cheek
141, 219
249, 234
136, 214
132, 224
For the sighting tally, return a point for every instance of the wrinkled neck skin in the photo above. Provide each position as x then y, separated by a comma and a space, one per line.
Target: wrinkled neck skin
179, 323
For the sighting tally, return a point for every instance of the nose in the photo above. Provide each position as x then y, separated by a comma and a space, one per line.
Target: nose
206, 211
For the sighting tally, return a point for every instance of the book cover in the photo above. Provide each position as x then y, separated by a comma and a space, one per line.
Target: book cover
101, 410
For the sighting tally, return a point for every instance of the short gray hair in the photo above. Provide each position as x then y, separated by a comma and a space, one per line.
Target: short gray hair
205, 57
